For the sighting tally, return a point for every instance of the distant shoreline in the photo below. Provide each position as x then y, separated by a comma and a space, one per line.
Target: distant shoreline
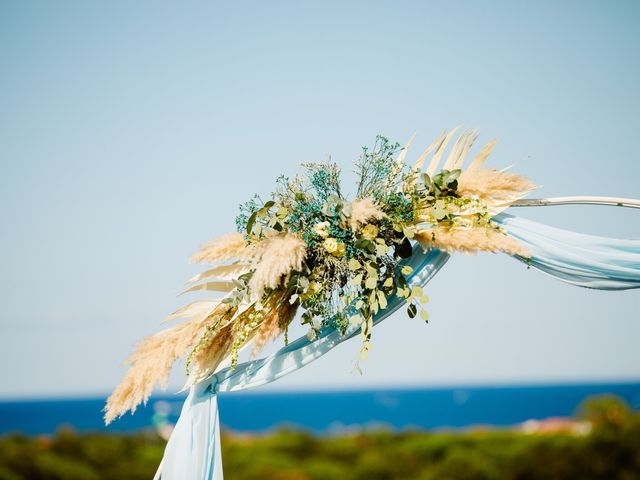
601, 442
327, 412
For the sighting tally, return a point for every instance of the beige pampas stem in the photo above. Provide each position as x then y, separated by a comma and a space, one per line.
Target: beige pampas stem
280, 254
228, 246
470, 240
210, 353
150, 365
362, 211
153, 358
279, 313
498, 189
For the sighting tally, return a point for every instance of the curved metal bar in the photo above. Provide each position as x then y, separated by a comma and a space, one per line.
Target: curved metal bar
580, 200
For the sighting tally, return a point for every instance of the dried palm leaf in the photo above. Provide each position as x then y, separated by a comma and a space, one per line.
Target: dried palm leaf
223, 272
435, 161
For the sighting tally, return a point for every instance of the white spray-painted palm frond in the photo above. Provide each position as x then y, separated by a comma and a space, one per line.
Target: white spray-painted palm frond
194, 309
482, 156
498, 189
402, 155
223, 272
428, 151
435, 160
400, 161
457, 154
212, 287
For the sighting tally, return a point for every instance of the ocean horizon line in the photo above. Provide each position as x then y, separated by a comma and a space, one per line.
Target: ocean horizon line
304, 389
428, 407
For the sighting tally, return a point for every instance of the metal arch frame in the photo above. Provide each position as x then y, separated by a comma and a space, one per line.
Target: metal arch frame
578, 200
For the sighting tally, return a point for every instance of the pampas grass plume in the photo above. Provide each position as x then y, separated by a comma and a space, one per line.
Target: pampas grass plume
494, 187
363, 210
226, 247
280, 254
470, 240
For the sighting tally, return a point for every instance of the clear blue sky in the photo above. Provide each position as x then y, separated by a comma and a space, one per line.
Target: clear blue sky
130, 131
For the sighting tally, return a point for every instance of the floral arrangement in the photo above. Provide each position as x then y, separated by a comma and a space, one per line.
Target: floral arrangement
310, 249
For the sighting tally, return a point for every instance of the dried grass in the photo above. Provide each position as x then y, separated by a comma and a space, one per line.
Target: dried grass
226, 247
210, 354
280, 254
470, 240
495, 188
150, 365
278, 315
363, 210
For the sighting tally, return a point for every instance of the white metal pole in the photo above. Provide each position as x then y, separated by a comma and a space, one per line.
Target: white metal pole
581, 200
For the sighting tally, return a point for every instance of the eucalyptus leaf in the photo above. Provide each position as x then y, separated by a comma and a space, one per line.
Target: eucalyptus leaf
356, 281
251, 221
404, 249
381, 249
409, 231
354, 264
371, 283
382, 300
406, 270
426, 181
366, 245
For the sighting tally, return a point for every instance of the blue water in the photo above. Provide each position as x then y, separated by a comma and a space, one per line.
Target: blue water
329, 411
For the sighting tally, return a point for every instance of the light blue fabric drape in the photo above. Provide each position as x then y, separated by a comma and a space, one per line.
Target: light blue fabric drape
193, 452
583, 260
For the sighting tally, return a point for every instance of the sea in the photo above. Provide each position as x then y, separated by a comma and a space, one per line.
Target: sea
328, 412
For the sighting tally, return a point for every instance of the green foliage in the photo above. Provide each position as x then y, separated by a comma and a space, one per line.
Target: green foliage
70, 456
605, 412
354, 248
346, 276
611, 451
246, 210
376, 169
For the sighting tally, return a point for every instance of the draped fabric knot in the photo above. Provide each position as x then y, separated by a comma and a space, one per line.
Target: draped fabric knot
213, 384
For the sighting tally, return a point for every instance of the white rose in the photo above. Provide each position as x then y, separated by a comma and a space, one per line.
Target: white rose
330, 245
369, 232
321, 229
